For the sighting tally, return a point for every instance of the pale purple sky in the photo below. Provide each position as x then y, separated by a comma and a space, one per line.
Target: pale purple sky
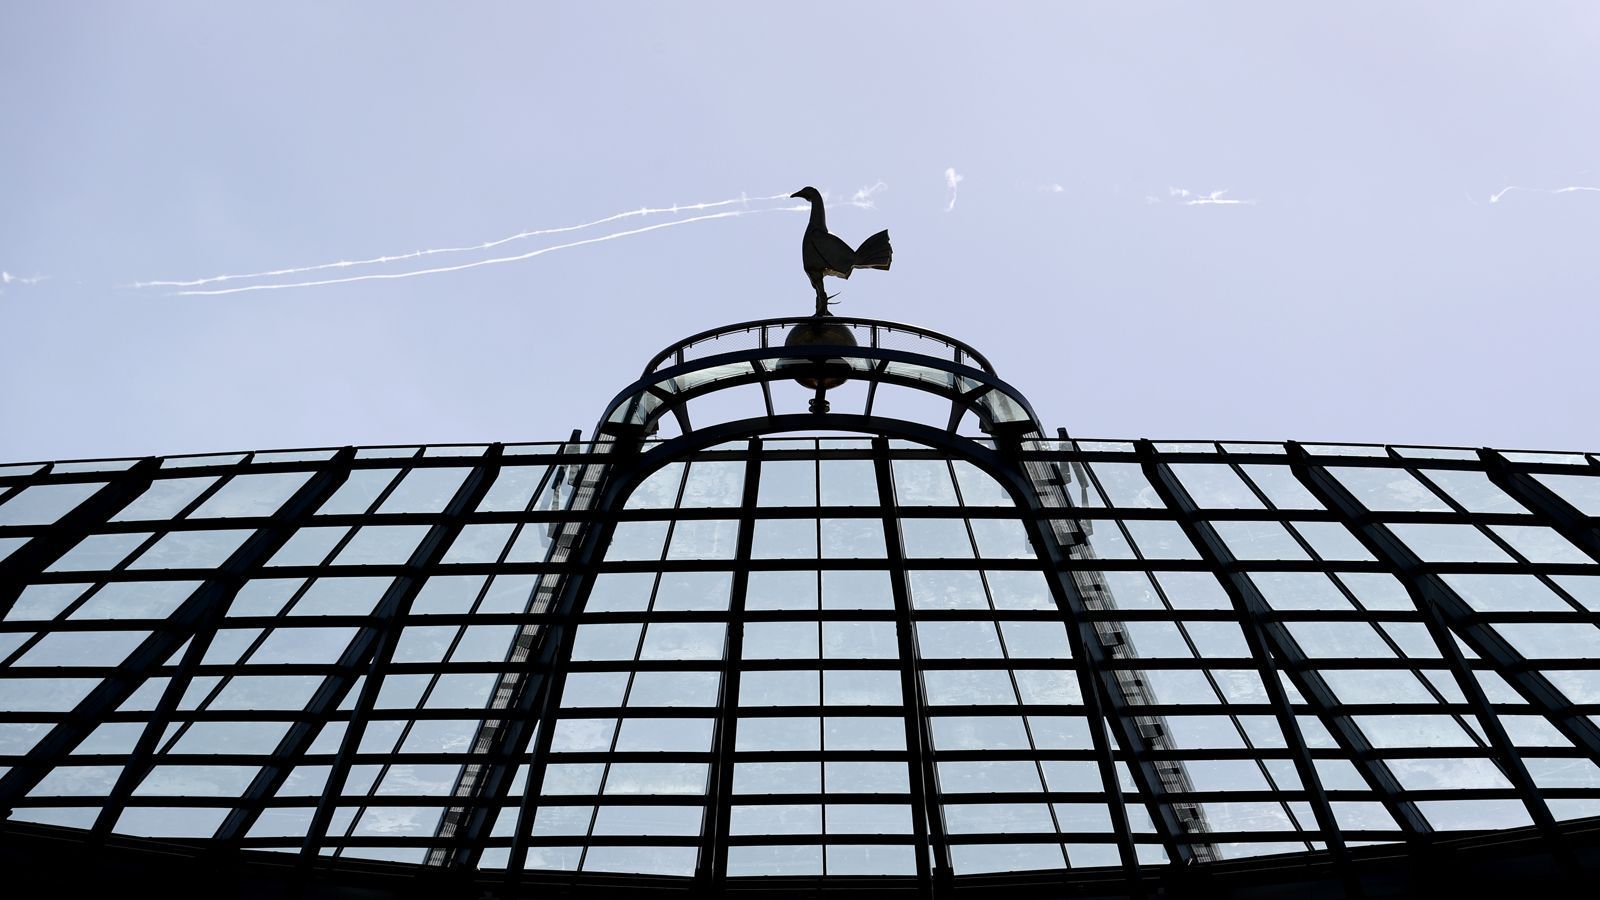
1367, 289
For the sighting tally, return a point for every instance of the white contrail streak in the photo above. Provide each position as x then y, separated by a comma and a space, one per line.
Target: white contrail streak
951, 179
1495, 197
389, 276
486, 245
6, 278
1215, 198
862, 199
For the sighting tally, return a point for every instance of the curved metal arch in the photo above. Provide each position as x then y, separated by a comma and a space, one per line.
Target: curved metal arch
637, 408
874, 328
1002, 411
674, 449
631, 468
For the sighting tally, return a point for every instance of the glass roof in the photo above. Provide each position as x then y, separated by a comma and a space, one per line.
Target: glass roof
800, 656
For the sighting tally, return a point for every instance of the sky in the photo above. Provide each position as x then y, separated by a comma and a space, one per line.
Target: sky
1366, 221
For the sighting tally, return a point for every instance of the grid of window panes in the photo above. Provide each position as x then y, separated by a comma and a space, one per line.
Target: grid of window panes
812, 657
1399, 594
252, 637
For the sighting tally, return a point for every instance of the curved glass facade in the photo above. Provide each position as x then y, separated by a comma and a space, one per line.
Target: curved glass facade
831, 656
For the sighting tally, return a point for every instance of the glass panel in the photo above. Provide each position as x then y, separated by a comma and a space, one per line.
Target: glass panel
252, 495
43, 504
381, 545
1540, 544
192, 549
1582, 491
1384, 489
1259, 540
1216, 486
424, 491
98, 551
1449, 543
1473, 490
513, 489
1281, 486
164, 499
1126, 486
358, 492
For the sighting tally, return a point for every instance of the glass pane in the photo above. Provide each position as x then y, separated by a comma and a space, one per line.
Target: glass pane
43, 504
164, 499
252, 495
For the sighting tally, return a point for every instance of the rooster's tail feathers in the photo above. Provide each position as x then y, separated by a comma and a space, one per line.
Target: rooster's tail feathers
874, 252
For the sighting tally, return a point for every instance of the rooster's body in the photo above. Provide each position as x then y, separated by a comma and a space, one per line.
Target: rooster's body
823, 254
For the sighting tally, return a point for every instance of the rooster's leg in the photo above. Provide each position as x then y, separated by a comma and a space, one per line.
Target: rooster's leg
822, 295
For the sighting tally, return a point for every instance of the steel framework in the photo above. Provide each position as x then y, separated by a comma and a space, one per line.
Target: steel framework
810, 651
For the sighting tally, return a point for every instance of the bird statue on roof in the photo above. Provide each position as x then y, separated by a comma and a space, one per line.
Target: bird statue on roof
822, 253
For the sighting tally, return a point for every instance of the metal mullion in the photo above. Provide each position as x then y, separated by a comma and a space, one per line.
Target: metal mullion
1458, 514
320, 711
218, 482
1543, 577
633, 672
1215, 551
1010, 668
1088, 655
63, 621
671, 517
1435, 599
1136, 744
482, 786
535, 704
292, 515
608, 757
712, 865
387, 759
1306, 672
1543, 502
12, 489
927, 818
1224, 707
390, 615
195, 614
55, 539
1026, 713
226, 672
438, 668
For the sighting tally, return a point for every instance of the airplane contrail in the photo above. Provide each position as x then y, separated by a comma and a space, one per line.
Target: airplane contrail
389, 276
862, 199
1215, 198
486, 245
951, 180
1495, 197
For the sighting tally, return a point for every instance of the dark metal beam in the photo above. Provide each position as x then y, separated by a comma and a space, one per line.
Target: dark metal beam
537, 702
1039, 489
159, 646
1253, 611
28, 561
711, 871
390, 617
1446, 616
247, 563
1543, 502
464, 826
927, 815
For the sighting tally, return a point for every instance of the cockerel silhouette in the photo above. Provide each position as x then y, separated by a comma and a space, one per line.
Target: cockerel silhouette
824, 254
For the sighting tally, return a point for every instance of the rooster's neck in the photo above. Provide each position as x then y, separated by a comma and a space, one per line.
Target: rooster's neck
819, 217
